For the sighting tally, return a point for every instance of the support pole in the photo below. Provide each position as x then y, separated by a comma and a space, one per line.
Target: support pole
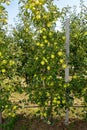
67, 68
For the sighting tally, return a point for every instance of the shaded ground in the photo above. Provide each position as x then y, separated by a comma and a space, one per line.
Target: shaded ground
32, 123
24, 123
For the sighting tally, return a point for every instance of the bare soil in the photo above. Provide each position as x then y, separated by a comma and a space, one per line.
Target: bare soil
26, 123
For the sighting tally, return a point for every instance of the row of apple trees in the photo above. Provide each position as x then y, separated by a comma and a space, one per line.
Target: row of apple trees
9, 55
43, 60
35, 51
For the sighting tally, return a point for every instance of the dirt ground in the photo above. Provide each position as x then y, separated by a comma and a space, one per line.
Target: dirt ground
24, 123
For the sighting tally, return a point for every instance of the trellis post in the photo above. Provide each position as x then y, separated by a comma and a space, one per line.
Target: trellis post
67, 68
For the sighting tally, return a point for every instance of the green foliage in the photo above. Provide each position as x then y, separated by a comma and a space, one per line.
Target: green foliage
43, 54
9, 124
35, 53
78, 53
9, 60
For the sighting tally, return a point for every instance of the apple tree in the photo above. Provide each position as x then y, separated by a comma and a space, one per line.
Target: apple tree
43, 61
9, 54
78, 50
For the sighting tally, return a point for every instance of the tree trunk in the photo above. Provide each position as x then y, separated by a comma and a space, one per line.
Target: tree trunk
51, 108
0, 120
67, 117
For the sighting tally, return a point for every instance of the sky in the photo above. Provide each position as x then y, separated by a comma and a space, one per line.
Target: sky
13, 8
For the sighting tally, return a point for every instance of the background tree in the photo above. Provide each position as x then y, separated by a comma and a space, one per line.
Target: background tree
78, 47
9, 53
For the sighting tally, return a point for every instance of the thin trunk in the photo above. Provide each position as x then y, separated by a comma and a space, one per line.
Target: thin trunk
51, 108
0, 120
67, 117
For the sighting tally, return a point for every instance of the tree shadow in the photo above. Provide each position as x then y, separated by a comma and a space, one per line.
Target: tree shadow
23, 122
